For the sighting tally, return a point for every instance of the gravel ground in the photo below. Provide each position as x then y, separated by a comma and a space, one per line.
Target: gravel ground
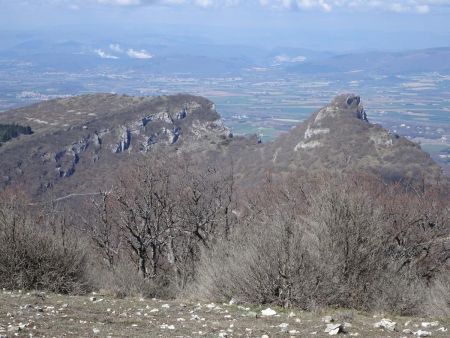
96, 315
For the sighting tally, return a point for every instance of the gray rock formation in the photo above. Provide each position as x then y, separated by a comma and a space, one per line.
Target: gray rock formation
96, 131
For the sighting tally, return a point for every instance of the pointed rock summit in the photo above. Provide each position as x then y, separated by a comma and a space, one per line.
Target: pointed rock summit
346, 105
340, 137
79, 143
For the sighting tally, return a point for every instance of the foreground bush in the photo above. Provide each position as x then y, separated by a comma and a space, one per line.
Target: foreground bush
35, 257
125, 281
345, 242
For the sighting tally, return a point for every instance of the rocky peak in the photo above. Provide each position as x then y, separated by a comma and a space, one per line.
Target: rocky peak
340, 137
343, 106
354, 105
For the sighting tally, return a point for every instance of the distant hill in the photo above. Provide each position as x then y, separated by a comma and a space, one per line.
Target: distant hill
340, 137
196, 57
414, 61
79, 143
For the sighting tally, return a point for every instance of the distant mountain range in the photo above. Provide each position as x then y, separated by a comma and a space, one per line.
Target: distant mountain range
414, 61
78, 144
206, 58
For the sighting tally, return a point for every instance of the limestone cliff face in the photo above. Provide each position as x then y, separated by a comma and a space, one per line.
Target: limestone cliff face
82, 142
76, 140
340, 137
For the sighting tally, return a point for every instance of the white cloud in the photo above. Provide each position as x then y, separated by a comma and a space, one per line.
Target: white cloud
115, 47
204, 3
423, 9
396, 6
120, 2
283, 58
139, 54
142, 2
104, 55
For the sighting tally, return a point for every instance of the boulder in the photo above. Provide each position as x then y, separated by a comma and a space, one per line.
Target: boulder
334, 329
268, 312
387, 325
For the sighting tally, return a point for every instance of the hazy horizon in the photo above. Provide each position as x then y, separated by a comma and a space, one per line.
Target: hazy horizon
326, 25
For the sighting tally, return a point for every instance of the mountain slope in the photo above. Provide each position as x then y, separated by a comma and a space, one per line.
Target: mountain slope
80, 141
80, 144
340, 137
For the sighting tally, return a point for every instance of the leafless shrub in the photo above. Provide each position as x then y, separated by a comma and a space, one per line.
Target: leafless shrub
159, 216
262, 260
344, 315
32, 256
344, 241
124, 281
102, 229
437, 300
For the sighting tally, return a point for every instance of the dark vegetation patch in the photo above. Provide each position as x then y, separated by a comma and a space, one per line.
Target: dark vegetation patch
10, 131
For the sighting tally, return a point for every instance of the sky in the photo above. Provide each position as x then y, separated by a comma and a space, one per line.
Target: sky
335, 25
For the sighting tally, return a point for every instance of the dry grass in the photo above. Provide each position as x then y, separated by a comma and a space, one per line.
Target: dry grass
78, 316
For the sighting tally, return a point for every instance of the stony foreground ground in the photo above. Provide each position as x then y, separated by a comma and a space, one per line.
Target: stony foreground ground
48, 315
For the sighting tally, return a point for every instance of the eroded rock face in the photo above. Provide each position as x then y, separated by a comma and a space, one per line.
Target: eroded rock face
354, 103
109, 126
343, 105
340, 137
116, 128
124, 140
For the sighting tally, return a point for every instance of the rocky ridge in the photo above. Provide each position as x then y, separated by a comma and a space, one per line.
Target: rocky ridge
74, 139
80, 142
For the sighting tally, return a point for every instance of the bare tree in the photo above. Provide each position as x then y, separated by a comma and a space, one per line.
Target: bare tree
206, 200
144, 209
102, 227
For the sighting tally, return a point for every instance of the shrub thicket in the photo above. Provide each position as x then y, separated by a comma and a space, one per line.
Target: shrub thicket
33, 256
335, 241
185, 229
9, 131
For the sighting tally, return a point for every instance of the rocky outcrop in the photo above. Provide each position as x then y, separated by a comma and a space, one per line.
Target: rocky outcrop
124, 140
340, 137
99, 129
110, 129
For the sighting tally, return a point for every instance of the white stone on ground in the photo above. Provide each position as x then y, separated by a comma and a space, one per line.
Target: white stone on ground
429, 324
386, 324
334, 329
268, 312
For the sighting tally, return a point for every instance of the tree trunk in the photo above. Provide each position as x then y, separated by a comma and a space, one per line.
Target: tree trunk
142, 262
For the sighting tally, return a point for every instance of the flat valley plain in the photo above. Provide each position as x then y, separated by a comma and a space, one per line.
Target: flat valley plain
263, 101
